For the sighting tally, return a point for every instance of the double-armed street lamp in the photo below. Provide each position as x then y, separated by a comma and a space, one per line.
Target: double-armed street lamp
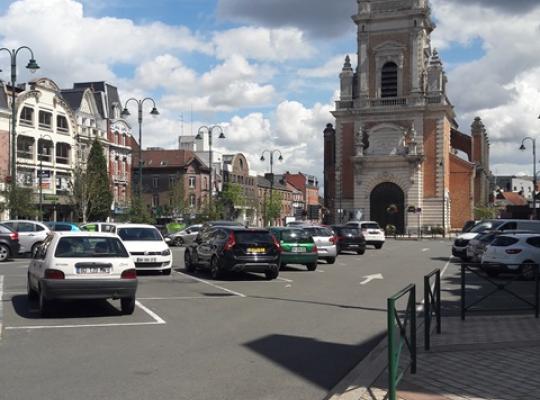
210, 131
45, 136
32, 66
153, 113
522, 148
280, 158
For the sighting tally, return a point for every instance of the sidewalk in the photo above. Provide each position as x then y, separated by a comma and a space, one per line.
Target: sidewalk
482, 358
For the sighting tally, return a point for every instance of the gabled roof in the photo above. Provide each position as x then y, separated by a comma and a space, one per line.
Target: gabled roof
163, 158
73, 97
105, 103
514, 199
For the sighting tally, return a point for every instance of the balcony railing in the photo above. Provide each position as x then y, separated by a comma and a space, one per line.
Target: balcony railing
62, 160
393, 101
25, 154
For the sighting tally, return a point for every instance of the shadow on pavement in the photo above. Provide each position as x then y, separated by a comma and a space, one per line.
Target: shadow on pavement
321, 303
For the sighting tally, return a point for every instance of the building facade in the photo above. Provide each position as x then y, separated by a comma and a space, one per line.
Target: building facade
236, 171
393, 145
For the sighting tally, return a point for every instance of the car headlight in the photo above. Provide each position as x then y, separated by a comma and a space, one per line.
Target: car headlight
166, 252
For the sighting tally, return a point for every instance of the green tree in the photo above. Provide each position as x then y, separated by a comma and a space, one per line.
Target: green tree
20, 202
485, 212
272, 207
79, 194
177, 193
99, 196
232, 198
138, 212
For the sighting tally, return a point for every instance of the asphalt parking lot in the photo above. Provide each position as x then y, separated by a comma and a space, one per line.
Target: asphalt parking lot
191, 337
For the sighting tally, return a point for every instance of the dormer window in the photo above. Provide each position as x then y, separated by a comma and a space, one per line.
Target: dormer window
389, 80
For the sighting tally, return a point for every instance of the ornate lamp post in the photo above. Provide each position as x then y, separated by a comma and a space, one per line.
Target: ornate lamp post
32, 67
154, 113
210, 130
280, 158
522, 148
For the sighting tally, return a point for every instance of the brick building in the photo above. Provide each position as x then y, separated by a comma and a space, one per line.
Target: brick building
308, 185
396, 142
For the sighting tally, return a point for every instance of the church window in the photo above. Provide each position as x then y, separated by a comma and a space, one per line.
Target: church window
389, 80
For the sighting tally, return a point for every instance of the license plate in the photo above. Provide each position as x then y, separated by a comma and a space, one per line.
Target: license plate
93, 270
374, 232
256, 250
146, 259
298, 249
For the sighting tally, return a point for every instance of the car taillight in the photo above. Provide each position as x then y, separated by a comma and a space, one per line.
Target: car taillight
129, 274
513, 251
333, 239
14, 236
338, 238
231, 242
276, 244
315, 249
54, 274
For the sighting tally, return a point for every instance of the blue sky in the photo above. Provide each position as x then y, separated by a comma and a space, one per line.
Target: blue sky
267, 70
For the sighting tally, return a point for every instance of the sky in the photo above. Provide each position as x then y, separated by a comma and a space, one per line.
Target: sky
267, 71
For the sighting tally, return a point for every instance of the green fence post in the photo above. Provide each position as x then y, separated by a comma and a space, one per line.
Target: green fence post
413, 328
392, 367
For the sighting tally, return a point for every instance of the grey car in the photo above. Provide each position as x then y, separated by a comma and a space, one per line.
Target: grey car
325, 241
31, 234
185, 236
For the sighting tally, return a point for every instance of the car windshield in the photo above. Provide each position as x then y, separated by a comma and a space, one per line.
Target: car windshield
84, 246
486, 226
296, 236
139, 234
253, 237
317, 231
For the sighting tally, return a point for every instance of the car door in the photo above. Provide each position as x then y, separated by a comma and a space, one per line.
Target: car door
204, 247
38, 264
27, 236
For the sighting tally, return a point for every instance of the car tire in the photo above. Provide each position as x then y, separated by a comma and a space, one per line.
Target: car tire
30, 292
272, 274
44, 304
360, 252
4, 252
527, 270
312, 266
378, 246
188, 262
166, 271
331, 260
178, 242
34, 249
215, 270
127, 305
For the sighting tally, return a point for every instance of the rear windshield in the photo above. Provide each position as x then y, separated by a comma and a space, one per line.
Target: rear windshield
316, 231
371, 225
486, 226
83, 246
296, 236
61, 227
143, 234
503, 241
253, 237
5, 229
349, 231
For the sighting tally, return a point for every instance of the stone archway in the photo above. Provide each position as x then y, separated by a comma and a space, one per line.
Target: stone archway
387, 206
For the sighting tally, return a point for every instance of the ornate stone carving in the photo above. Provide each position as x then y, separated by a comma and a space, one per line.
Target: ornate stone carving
409, 141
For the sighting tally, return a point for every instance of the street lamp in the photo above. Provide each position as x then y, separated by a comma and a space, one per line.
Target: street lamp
280, 158
32, 67
210, 131
154, 113
522, 148
45, 136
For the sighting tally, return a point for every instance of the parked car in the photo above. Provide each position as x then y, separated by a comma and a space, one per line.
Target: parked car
82, 265
98, 227
513, 253
372, 232
62, 226
349, 238
147, 247
232, 248
31, 234
297, 247
325, 240
459, 247
477, 246
9, 242
185, 236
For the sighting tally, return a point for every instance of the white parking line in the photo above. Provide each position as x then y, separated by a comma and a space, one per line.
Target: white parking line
189, 297
211, 284
425, 249
282, 279
421, 306
1, 302
156, 317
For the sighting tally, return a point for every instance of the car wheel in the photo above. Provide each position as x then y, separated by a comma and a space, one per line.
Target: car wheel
312, 266
215, 270
331, 260
378, 246
4, 252
127, 305
34, 248
32, 294
527, 270
360, 252
178, 242
166, 271
44, 304
188, 262
272, 274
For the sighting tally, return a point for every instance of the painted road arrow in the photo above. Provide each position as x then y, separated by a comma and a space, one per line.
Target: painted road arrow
369, 278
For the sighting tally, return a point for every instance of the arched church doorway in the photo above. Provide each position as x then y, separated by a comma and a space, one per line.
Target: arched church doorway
387, 206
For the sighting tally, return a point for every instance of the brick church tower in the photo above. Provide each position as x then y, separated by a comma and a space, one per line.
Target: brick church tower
395, 145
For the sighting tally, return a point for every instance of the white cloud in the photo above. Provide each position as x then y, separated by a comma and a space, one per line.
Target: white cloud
263, 44
330, 69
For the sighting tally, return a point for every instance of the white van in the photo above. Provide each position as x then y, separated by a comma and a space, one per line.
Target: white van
459, 248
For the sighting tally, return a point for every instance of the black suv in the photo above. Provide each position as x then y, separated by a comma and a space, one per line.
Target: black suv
349, 239
232, 248
9, 242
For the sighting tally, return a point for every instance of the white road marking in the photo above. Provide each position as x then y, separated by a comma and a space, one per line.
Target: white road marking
187, 297
284, 280
369, 278
425, 249
1, 302
342, 264
320, 270
211, 284
156, 317
288, 285
421, 306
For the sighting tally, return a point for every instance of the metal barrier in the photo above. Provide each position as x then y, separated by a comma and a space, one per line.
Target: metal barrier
395, 344
432, 304
500, 286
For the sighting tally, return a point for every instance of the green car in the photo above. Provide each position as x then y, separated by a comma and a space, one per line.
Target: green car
297, 247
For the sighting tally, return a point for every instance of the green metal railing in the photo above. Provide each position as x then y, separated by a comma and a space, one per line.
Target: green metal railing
398, 338
432, 304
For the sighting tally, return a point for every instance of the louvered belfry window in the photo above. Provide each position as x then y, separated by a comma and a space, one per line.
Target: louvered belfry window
389, 81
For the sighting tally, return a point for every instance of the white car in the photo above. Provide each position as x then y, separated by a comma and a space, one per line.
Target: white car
513, 253
372, 232
31, 234
82, 265
325, 240
147, 247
